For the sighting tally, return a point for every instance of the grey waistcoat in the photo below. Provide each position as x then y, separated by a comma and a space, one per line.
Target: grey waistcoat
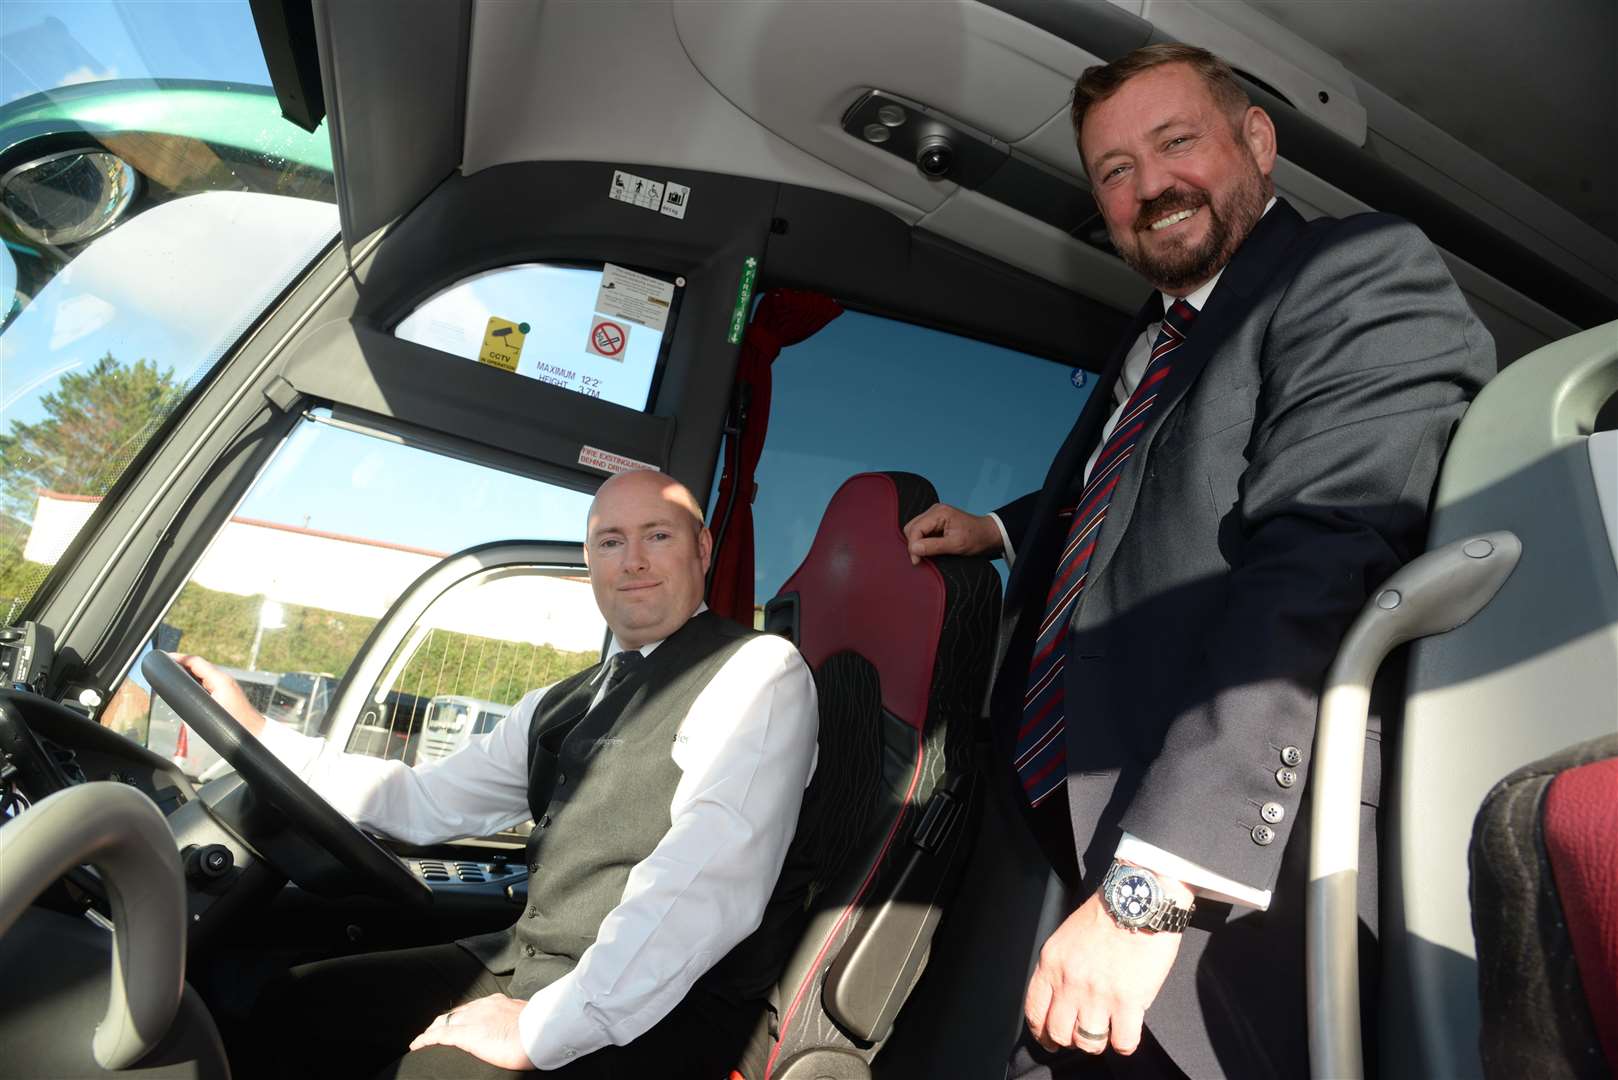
599, 784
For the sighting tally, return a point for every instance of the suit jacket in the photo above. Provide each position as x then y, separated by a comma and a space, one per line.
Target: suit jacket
1285, 471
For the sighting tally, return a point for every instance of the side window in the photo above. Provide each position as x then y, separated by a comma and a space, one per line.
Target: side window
867, 393
478, 648
338, 526
600, 333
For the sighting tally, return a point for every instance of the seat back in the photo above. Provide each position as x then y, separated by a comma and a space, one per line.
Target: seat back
1545, 914
901, 656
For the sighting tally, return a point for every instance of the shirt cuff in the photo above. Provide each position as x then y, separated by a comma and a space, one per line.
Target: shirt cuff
1005, 539
554, 1027
294, 749
1203, 882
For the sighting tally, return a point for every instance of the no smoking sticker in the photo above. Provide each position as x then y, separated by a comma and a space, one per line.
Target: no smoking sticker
608, 339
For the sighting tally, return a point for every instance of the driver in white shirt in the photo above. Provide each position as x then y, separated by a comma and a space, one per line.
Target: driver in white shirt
643, 996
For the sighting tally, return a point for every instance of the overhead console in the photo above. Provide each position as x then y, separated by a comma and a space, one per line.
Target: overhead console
945, 149
811, 73
1004, 70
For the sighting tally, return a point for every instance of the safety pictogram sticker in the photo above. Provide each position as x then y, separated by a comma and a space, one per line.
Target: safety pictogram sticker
639, 191
608, 339
675, 199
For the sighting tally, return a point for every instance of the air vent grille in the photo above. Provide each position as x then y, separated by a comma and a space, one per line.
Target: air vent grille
443, 871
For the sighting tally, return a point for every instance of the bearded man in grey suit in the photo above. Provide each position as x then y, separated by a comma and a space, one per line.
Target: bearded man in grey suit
1259, 454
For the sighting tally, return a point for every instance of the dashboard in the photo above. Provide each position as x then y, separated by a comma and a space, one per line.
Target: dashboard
46, 747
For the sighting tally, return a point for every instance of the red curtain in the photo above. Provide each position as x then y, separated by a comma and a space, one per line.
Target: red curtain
784, 317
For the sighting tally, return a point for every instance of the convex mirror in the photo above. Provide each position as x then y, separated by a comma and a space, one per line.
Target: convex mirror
70, 196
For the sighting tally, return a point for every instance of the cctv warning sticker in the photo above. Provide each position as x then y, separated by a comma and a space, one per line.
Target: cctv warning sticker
640, 298
502, 343
607, 339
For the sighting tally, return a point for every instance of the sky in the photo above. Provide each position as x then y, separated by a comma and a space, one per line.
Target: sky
47, 45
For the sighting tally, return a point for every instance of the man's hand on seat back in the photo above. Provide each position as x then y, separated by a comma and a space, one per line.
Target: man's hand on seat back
224, 690
945, 530
486, 1029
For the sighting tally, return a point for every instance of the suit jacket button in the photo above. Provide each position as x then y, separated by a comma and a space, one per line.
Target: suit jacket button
529, 951
1291, 756
544, 822
1286, 777
1263, 835
1273, 812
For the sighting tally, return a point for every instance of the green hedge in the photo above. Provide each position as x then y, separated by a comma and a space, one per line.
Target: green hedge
220, 626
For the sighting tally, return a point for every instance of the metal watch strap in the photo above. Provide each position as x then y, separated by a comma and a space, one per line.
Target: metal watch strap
1171, 919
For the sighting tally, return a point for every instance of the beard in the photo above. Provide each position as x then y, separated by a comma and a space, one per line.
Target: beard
1182, 266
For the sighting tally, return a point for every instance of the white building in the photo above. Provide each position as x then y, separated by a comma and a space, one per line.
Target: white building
289, 564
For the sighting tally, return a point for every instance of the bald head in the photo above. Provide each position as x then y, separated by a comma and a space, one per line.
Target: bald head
646, 483
648, 552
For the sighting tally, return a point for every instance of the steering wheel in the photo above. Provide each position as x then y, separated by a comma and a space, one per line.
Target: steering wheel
379, 871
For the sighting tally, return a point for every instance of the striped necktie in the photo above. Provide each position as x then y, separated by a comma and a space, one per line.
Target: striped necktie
1040, 749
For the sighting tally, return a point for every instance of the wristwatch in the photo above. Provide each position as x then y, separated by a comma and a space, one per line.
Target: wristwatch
1136, 901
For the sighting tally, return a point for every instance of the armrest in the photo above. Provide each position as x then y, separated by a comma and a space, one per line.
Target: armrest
885, 954
1434, 593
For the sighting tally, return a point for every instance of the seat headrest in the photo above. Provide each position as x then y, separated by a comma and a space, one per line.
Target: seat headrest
857, 591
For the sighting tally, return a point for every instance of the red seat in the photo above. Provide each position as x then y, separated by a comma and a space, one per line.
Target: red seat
1581, 837
1545, 915
901, 656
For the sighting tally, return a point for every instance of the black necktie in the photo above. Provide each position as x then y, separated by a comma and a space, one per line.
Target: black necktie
620, 667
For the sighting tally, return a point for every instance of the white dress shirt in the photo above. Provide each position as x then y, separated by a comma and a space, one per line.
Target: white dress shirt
1132, 848
746, 751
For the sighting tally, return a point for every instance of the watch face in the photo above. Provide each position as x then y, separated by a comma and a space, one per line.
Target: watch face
1132, 896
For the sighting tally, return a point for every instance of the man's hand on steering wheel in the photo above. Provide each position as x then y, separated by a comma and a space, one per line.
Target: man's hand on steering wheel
323, 850
223, 689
